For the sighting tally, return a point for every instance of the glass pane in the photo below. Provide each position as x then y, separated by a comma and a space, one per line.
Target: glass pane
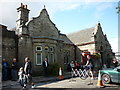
46, 48
38, 58
51, 57
38, 48
51, 49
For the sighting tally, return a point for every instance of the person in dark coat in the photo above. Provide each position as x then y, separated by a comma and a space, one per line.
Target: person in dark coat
27, 70
45, 66
4, 70
14, 69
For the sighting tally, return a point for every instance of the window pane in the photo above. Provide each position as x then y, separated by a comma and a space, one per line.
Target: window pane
38, 48
52, 57
51, 49
46, 48
38, 58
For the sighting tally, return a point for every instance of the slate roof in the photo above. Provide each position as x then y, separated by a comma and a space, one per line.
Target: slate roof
82, 36
65, 39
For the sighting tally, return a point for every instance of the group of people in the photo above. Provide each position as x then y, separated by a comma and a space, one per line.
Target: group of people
89, 66
24, 73
9, 71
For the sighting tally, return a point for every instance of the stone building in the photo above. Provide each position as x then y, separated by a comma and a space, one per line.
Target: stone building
93, 40
39, 38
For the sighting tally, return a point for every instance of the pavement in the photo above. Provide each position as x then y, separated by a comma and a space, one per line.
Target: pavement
40, 79
77, 83
0, 80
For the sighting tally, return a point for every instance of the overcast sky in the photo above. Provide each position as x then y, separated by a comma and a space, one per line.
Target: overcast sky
68, 15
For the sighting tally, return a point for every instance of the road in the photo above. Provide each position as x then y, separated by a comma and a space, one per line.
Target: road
75, 83
0, 80
70, 83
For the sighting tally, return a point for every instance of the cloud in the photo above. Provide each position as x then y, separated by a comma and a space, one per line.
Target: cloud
68, 6
101, 7
114, 44
9, 13
87, 1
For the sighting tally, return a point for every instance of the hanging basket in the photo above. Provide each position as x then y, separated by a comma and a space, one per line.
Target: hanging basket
96, 56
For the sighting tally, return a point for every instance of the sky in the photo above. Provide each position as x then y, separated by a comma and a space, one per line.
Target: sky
68, 15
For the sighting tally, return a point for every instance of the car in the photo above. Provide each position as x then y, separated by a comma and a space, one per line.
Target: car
111, 75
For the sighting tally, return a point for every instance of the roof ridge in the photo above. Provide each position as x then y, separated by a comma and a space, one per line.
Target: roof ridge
82, 30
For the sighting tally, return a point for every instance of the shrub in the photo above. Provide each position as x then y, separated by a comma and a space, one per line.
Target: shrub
53, 69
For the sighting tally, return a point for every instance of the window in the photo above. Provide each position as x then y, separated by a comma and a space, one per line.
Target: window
38, 48
38, 55
38, 58
66, 57
46, 48
51, 57
51, 49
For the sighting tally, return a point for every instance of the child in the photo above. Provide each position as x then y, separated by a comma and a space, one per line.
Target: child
21, 77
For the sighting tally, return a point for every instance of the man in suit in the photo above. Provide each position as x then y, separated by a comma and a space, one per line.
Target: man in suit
45, 66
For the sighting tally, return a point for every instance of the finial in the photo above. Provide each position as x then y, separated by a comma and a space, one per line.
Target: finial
44, 6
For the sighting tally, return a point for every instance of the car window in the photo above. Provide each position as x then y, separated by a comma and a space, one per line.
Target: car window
117, 68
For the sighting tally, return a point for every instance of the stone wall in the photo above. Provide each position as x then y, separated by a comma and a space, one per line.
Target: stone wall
9, 44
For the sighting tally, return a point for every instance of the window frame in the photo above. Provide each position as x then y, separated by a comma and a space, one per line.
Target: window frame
51, 49
53, 58
38, 50
36, 58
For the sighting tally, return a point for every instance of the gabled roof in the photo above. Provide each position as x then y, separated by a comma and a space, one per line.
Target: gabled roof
83, 36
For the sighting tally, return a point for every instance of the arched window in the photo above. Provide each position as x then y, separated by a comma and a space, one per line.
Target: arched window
38, 53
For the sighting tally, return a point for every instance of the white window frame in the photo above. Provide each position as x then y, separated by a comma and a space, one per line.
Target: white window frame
37, 47
36, 58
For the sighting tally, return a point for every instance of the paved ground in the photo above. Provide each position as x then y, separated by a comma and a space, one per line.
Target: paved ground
0, 81
75, 83
52, 82
36, 80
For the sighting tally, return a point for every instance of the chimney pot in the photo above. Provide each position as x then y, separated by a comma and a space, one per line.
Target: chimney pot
26, 6
21, 4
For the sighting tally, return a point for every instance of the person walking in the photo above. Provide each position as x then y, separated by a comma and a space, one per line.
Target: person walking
90, 65
21, 77
14, 69
27, 70
4, 70
45, 66
30, 71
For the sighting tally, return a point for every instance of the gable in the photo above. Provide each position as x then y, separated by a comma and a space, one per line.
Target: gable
42, 26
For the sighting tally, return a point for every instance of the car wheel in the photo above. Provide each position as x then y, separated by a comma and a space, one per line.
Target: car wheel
106, 78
